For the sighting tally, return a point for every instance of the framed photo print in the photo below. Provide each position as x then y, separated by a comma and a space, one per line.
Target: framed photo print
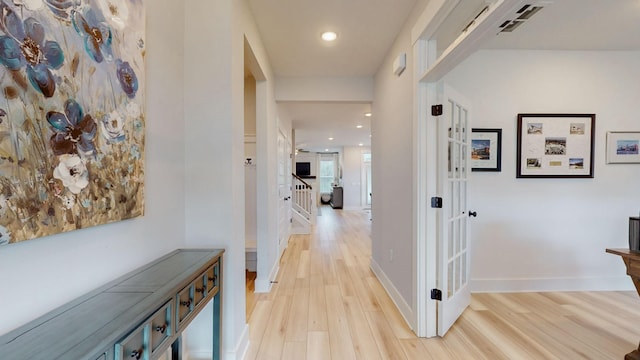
622, 147
555, 145
486, 149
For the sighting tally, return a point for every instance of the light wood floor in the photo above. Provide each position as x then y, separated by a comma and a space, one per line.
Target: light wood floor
327, 304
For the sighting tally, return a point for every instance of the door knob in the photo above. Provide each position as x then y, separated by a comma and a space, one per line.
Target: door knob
473, 213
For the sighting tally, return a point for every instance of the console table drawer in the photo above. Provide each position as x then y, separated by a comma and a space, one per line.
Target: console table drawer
213, 277
200, 290
161, 326
184, 304
135, 346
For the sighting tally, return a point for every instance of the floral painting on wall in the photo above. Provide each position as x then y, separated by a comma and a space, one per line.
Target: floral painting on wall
71, 115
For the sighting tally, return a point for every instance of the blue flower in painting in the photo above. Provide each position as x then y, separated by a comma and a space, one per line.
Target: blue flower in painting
5, 235
128, 79
24, 45
113, 127
74, 132
61, 8
135, 152
96, 32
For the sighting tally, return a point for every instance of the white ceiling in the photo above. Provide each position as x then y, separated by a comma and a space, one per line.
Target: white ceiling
290, 31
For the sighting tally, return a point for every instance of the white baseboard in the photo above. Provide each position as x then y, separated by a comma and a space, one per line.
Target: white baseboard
398, 300
618, 283
264, 285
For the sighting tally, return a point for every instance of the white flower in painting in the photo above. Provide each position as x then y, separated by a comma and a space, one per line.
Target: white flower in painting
5, 235
68, 201
115, 12
113, 127
29, 4
73, 173
133, 110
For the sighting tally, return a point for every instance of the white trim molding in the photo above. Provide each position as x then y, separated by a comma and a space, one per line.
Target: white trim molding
616, 283
394, 294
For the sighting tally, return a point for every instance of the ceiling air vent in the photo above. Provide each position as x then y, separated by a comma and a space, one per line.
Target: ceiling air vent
528, 11
525, 13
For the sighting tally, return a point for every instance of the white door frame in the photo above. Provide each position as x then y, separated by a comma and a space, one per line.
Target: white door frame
428, 70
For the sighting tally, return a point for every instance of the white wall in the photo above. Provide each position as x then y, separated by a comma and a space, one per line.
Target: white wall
311, 158
214, 114
48, 272
551, 234
352, 176
392, 169
355, 89
250, 171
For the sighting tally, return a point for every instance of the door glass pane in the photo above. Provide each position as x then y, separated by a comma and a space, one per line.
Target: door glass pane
463, 271
457, 238
463, 162
451, 275
450, 237
451, 195
458, 275
458, 124
455, 199
463, 232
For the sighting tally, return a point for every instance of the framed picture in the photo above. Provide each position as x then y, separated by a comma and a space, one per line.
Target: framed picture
622, 147
486, 149
555, 145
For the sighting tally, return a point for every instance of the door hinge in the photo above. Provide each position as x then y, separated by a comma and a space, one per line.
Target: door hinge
436, 294
436, 202
436, 110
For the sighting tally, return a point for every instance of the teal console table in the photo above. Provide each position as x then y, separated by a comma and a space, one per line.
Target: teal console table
137, 316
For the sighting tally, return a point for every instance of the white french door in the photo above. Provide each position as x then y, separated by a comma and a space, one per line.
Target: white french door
453, 230
284, 191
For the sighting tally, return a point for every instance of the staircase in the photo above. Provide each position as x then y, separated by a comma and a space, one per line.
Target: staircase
304, 210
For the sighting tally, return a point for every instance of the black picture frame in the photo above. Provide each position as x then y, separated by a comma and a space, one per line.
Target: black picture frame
486, 150
555, 145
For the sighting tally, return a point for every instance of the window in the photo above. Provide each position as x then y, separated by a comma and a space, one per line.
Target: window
327, 174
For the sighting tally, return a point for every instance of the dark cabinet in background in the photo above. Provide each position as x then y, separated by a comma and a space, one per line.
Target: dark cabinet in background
336, 197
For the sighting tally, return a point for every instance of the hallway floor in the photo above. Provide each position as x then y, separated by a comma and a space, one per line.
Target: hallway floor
327, 304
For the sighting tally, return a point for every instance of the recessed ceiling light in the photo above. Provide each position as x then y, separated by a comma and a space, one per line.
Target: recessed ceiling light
330, 139
361, 144
329, 36
326, 149
359, 126
367, 114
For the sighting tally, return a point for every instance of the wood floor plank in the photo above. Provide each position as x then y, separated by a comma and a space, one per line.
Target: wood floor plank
294, 350
388, 345
297, 324
414, 349
391, 312
317, 319
339, 333
327, 304
318, 346
363, 341
274, 335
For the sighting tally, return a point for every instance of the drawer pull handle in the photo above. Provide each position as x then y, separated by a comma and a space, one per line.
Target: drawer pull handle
214, 278
185, 303
137, 354
200, 290
161, 329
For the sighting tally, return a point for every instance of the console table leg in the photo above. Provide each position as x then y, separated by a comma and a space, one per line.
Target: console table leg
176, 349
